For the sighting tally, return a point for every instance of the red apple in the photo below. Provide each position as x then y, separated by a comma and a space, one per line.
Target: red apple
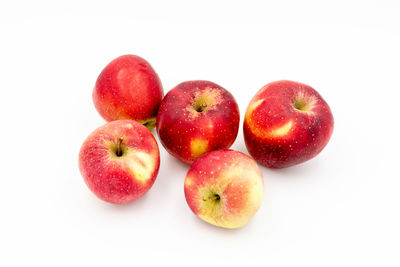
119, 161
286, 123
196, 117
224, 188
128, 88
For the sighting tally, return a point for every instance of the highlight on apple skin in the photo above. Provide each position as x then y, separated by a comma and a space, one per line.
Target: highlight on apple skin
128, 88
119, 161
224, 188
196, 117
286, 123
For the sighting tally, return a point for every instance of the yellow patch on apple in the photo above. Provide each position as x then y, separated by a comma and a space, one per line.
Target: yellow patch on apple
141, 164
188, 181
252, 107
271, 133
198, 147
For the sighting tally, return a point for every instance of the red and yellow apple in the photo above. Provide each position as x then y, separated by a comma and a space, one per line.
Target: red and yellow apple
224, 188
128, 88
196, 117
119, 161
286, 123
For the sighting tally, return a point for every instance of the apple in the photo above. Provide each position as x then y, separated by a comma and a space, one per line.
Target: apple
286, 123
128, 88
119, 161
196, 117
224, 188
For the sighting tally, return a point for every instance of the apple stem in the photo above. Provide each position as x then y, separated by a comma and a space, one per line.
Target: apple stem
119, 151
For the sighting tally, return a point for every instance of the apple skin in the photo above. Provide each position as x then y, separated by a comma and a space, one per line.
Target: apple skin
128, 88
224, 188
196, 117
119, 179
286, 123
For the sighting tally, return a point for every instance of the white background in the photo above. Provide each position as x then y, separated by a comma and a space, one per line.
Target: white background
340, 209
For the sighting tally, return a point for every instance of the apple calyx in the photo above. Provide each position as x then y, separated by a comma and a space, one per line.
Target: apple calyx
200, 106
206, 99
119, 150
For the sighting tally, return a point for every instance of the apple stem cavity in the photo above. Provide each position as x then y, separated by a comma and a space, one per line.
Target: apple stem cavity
119, 150
299, 104
214, 197
304, 103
